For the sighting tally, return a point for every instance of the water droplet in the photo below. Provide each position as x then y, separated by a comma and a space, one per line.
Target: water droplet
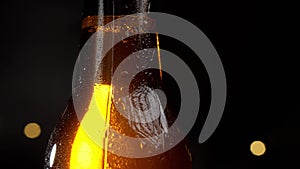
124, 74
123, 105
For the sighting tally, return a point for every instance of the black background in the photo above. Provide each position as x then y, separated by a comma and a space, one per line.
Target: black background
40, 43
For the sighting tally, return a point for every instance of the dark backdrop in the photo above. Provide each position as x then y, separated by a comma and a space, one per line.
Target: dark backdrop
39, 46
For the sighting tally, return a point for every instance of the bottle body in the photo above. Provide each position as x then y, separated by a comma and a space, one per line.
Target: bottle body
89, 156
71, 146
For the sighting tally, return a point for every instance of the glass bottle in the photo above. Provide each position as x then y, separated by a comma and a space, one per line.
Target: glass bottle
72, 147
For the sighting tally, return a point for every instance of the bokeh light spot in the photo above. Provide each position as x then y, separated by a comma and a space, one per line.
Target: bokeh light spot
258, 148
32, 130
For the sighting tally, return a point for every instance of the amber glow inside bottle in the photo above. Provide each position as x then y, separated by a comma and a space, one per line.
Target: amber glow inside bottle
71, 147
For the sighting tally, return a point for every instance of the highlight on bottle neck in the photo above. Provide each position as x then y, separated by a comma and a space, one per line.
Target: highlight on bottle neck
114, 7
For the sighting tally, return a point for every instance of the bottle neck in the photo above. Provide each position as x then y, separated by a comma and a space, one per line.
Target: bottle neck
100, 12
114, 7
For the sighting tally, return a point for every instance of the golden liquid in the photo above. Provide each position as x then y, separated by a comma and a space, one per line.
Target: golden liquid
85, 153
